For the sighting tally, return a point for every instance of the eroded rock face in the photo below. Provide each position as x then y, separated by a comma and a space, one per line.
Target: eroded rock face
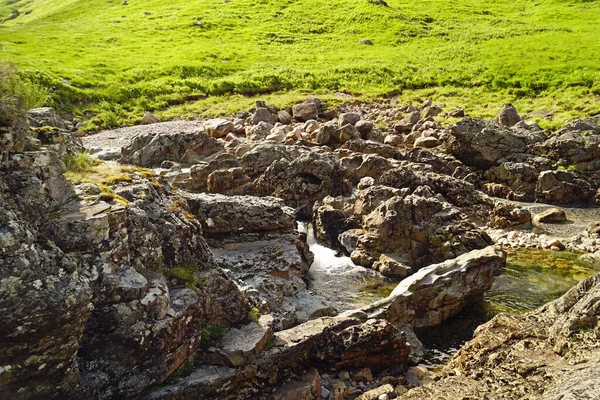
543, 354
309, 177
346, 341
44, 295
149, 150
440, 291
563, 187
88, 311
420, 230
481, 144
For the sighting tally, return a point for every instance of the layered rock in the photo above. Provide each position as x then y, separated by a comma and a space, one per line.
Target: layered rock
548, 353
348, 341
151, 149
438, 292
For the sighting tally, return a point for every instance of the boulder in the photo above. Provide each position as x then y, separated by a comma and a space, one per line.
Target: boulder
393, 266
308, 177
563, 187
218, 127
427, 142
421, 230
151, 149
284, 117
551, 216
507, 116
261, 114
481, 144
220, 214
438, 292
349, 118
305, 111
149, 118
506, 215
573, 147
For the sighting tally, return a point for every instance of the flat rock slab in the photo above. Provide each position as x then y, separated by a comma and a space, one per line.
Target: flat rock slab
112, 140
239, 346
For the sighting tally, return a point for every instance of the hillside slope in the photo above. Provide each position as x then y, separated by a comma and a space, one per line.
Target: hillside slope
120, 60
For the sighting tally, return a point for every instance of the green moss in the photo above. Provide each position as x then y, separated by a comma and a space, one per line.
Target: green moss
212, 335
106, 196
115, 179
80, 163
253, 314
185, 275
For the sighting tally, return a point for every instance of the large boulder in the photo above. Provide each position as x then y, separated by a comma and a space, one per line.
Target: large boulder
310, 176
508, 116
221, 214
305, 111
440, 291
577, 143
564, 187
481, 144
421, 230
151, 149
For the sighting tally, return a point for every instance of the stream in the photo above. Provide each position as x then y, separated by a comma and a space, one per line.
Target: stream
531, 279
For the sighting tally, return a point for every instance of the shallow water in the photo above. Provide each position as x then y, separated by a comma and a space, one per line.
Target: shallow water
532, 278
339, 280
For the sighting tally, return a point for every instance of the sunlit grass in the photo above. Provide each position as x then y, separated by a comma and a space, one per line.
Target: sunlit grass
189, 59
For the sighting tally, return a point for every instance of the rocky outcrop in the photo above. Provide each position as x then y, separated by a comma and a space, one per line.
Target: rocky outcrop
100, 299
347, 341
151, 149
438, 292
564, 187
544, 354
309, 177
481, 144
421, 230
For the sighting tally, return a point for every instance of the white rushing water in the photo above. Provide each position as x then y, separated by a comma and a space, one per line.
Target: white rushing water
338, 279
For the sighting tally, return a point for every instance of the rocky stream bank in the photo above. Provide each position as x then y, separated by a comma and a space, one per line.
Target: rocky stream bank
180, 268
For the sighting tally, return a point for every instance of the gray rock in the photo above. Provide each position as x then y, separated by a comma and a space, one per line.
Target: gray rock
481, 144
218, 127
427, 142
507, 116
349, 118
152, 149
563, 187
305, 111
261, 115
551, 216
45, 116
284, 117
149, 118
440, 291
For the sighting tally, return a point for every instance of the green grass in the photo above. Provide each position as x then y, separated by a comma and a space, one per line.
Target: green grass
188, 59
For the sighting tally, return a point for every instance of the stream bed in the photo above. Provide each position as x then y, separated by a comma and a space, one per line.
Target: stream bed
531, 279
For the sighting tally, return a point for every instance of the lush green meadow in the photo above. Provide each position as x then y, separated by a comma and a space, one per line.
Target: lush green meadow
188, 58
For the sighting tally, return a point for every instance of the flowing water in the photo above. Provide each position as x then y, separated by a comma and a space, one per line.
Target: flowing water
531, 279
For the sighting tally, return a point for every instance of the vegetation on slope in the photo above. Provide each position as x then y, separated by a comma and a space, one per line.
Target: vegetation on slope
116, 61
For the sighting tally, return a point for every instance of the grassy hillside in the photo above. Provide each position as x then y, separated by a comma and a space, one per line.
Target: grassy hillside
184, 57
